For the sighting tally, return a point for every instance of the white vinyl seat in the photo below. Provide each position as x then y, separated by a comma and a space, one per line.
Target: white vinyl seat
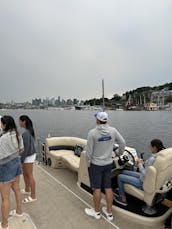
60, 152
156, 176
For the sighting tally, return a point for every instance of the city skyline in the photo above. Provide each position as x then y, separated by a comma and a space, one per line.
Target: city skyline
156, 91
51, 48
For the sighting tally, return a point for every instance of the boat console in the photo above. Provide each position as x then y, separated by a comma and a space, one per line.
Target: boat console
153, 204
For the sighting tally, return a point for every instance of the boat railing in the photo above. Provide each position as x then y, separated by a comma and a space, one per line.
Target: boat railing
41, 155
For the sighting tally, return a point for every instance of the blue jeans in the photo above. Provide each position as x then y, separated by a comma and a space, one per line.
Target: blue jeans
129, 177
10, 170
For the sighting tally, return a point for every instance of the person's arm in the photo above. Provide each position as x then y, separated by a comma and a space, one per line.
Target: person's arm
26, 141
148, 163
89, 147
2, 148
121, 142
21, 145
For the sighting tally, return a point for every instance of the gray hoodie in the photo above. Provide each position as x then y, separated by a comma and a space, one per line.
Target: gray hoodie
9, 147
100, 144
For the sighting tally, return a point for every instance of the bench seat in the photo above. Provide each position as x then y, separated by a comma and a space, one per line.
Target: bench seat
63, 158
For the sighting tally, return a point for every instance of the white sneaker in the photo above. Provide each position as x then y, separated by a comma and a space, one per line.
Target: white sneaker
93, 213
109, 216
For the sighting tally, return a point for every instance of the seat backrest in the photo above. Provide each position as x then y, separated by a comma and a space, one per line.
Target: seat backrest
158, 174
64, 141
83, 176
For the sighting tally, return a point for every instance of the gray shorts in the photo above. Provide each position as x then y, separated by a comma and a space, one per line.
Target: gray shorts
10, 170
100, 176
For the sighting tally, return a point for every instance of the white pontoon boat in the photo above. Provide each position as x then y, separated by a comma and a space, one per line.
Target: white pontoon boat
150, 207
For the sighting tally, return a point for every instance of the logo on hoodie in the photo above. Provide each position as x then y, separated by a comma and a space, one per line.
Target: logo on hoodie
104, 139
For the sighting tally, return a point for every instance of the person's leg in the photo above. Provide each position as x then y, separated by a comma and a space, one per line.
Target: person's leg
125, 179
18, 195
106, 184
5, 206
109, 199
132, 173
30, 179
26, 179
97, 199
95, 181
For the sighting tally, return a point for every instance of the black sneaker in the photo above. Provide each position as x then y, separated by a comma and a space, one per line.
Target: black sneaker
118, 199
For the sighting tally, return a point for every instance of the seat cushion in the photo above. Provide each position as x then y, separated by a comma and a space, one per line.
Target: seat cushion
68, 157
72, 160
134, 191
59, 153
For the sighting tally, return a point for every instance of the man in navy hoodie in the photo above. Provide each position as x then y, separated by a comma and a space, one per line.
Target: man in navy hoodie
99, 150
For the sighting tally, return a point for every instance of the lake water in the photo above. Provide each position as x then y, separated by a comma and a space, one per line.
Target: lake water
137, 127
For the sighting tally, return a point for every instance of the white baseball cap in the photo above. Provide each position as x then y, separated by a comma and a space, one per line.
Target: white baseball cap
102, 116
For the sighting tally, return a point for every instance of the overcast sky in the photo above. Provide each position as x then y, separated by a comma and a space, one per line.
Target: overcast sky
66, 47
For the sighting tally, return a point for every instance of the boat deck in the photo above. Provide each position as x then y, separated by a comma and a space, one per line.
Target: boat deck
60, 204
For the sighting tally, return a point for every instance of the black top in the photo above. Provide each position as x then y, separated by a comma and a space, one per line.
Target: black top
29, 145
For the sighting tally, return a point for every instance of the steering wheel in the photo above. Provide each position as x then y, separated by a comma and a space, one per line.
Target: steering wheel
127, 159
131, 159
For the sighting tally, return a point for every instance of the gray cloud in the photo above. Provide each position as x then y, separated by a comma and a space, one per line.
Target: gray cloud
65, 47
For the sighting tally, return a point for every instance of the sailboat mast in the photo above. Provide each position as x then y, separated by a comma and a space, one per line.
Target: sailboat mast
103, 94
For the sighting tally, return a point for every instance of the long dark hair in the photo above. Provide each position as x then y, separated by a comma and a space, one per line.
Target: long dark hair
28, 123
10, 125
158, 144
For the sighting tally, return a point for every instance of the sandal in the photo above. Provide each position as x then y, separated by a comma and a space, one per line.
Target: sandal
28, 199
24, 192
13, 213
3, 227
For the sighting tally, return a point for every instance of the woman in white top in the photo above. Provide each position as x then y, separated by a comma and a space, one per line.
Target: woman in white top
10, 167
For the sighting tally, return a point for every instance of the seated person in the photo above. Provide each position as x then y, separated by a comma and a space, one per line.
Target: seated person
136, 178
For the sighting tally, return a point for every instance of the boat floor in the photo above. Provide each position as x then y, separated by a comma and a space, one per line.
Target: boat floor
60, 204
24, 222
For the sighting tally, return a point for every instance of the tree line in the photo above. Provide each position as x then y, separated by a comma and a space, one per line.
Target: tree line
135, 97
